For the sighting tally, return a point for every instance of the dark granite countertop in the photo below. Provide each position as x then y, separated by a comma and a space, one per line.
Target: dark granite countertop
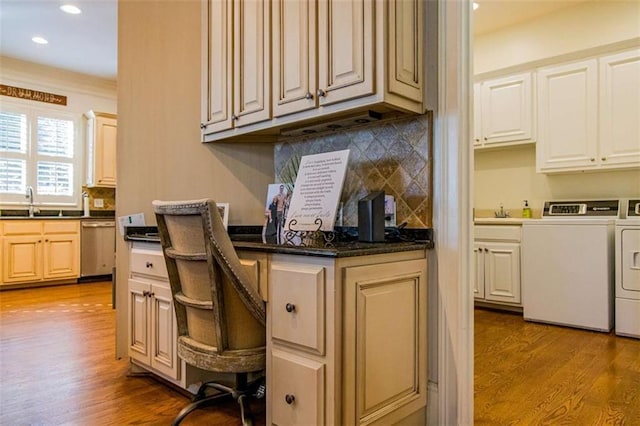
55, 214
345, 244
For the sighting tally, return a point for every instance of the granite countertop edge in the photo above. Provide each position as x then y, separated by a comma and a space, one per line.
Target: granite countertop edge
248, 238
54, 214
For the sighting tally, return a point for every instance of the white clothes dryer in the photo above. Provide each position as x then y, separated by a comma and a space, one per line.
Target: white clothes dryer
627, 302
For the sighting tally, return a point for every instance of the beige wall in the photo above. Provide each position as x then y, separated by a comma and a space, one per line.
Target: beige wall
159, 151
508, 176
587, 25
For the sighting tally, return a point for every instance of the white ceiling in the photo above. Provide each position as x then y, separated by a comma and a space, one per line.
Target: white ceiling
87, 43
495, 14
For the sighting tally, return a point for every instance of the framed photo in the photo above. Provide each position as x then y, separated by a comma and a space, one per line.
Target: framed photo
223, 208
275, 212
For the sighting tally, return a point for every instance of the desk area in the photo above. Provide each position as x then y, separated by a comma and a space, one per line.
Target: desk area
346, 326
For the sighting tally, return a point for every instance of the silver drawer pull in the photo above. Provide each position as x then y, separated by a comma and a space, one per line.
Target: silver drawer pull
290, 307
289, 399
149, 265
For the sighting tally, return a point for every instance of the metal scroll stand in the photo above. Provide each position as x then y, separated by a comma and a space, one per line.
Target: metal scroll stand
306, 238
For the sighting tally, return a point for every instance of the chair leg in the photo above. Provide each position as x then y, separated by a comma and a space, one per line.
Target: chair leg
245, 412
242, 392
199, 400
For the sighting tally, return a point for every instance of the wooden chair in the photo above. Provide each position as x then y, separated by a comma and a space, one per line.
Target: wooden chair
221, 317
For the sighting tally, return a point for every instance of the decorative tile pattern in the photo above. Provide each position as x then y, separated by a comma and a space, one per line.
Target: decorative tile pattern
107, 194
394, 156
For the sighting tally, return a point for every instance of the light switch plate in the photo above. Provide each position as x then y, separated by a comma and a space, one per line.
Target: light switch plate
98, 202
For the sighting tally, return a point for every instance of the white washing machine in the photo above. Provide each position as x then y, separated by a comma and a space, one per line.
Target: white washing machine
628, 272
568, 264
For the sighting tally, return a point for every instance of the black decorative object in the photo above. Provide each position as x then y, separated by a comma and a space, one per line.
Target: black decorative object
371, 218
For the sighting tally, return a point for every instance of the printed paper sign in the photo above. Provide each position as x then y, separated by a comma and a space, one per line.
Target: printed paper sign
317, 191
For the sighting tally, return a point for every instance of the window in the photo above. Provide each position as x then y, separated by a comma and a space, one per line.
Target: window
39, 148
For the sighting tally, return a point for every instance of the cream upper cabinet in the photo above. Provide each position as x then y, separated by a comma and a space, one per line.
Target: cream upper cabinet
588, 114
326, 59
237, 64
504, 111
620, 109
568, 116
102, 129
294, 56
346, 50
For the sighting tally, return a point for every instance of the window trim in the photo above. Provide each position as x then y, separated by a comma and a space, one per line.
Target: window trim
32, 112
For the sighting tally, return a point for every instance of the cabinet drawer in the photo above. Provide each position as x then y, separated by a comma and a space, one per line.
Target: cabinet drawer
297, 303
297, 390
61, 227
22, 227
497, 232
148, 262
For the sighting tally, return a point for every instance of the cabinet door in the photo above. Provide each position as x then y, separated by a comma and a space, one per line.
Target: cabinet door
252, 63
22, 259
297, 299
405, 44
294, 56
502, 272
217, 74
567, 117
477, 114
297, 391
619, 140
61, 256
346, 66
478, 282
256, 265
385, 324
139, 324
163, 331
507, 110
105, 151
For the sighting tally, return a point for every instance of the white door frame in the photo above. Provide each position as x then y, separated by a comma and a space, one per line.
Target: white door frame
452, 213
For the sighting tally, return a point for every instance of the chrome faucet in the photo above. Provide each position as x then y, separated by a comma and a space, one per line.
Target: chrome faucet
502, 213
29, 196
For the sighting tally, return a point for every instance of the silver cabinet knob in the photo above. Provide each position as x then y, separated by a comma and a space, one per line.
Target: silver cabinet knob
321, 93
308, 96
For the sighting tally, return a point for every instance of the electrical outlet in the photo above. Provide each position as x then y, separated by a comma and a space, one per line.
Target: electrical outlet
98, 202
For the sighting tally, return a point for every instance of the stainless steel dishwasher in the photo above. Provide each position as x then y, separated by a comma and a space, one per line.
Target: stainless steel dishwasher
98, 247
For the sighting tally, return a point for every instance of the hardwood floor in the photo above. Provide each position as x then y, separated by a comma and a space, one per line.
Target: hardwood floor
535, 374
58, 366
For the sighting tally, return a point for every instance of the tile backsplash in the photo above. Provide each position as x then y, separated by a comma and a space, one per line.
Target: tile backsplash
394, 156
108, 195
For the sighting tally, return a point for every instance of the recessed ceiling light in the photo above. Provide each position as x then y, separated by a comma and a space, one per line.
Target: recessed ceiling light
39, 40
475, 5
69, 8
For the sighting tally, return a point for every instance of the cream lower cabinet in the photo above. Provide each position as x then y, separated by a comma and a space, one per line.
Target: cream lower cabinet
37, 251
497, 261
346, 339
152, 324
